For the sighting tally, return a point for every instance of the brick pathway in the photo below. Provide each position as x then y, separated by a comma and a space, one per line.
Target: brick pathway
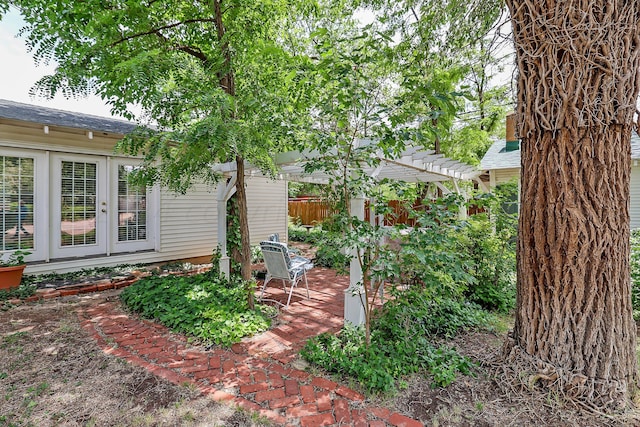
257, 374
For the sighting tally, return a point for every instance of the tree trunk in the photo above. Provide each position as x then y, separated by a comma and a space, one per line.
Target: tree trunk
574, 303
227, 83
577, 87
241, 194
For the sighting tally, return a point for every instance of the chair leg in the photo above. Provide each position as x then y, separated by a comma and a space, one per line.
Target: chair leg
293, 285
264, 286
306, 283
294, 282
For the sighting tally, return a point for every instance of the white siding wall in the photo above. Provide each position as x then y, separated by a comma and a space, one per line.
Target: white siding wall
502, 176
268, 210
634, 199
188, 223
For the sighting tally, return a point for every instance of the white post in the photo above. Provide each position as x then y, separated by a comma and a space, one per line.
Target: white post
354, 294
225, 266
225, 191
462, 214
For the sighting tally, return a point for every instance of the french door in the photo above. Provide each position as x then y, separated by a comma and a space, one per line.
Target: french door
79, 205
95, 210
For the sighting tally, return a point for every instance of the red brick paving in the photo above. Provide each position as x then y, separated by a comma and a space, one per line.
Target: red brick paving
255, 375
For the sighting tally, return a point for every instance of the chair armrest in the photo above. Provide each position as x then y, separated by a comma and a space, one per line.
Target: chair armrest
298, 261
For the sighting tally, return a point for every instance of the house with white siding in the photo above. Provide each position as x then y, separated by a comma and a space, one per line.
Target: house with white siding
65, 197
502, 163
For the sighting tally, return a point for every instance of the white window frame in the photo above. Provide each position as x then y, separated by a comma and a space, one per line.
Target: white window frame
149, 243
40, 200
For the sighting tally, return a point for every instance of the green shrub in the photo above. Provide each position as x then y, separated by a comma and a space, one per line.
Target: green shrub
298, 233
210, 309
331, 257
417, 312
488, 243
402, 342
430, 255
329, 253
491, 261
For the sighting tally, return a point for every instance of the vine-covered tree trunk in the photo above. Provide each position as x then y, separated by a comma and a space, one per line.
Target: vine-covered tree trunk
244, 226
227, 83
577, 88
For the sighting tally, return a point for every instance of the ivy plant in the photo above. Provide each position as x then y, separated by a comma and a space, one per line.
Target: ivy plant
209, 309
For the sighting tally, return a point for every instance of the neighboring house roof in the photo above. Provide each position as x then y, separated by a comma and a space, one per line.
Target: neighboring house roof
497, 157
53, 117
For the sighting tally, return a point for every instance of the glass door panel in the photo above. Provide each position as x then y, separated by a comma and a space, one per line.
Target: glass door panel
132, 208
80, 217
16, 203
78, 198
132, 231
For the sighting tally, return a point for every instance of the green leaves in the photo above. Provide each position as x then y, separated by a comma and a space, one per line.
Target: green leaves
635, 272
169, 59
403, 339
204, 307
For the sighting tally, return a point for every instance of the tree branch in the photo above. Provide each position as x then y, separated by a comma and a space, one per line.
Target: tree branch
157, 30
195, 52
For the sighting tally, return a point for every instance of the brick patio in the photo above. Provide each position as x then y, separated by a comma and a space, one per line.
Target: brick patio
258, 374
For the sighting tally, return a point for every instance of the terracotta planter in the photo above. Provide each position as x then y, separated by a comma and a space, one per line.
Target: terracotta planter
10, 277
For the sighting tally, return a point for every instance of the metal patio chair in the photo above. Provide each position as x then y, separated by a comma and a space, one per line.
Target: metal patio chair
275, 237
280, 265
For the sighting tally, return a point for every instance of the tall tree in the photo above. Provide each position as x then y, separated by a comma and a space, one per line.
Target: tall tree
212, 74
578, 84
487, 96
433, 39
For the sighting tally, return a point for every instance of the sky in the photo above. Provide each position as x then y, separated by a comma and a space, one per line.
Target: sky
19, 72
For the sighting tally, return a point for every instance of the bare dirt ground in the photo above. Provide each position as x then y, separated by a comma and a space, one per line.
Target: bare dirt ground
484, 400
53, 373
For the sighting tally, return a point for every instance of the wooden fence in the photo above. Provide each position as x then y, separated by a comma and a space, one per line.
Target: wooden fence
308, 211
314, 211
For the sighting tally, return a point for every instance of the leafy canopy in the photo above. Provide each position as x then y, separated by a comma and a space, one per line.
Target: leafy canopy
217, 80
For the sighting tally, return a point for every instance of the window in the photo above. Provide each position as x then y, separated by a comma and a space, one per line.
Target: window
132, 208
78, 204
16, 203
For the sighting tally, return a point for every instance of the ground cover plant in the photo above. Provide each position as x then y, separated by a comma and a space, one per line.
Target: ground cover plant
404, 341
21, 292
54, 280
208, 308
